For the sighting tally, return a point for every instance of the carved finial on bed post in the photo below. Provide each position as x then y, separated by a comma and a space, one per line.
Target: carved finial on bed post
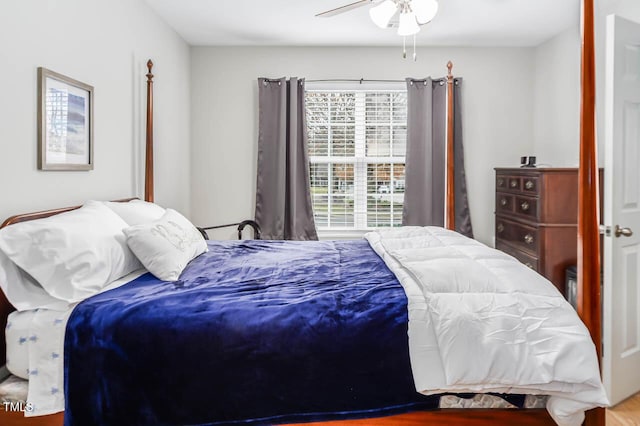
149, 67
450, 212
148, 174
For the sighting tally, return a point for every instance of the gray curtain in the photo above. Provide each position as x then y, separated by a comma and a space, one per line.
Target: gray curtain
425, 168
283, 198
425, 158
463, 216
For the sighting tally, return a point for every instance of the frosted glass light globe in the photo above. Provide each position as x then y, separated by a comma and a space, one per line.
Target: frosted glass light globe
408, 24
425, 10
381, 14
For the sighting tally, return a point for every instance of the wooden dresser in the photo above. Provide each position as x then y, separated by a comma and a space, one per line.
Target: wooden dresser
536, 218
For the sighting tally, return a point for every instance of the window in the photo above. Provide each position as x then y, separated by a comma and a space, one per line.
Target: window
357, 141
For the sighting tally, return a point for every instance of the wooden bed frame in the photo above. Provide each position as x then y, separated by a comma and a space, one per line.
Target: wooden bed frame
588, 258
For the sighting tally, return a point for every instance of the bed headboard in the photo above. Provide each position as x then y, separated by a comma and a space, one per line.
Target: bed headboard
47, 213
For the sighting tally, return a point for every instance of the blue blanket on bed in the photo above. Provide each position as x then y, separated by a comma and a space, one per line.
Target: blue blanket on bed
254, 332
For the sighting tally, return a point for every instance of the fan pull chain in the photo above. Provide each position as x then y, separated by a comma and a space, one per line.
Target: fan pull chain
415, 55
404, 47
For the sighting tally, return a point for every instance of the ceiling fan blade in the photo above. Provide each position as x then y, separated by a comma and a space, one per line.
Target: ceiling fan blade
343, 9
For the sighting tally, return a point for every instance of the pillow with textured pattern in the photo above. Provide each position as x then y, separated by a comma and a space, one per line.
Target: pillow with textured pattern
167, 245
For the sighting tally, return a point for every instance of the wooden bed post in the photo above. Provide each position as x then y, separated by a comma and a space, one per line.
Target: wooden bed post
588, 210
148, 165
450, 203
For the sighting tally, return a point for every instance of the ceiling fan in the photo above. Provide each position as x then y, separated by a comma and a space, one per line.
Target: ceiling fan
412, 13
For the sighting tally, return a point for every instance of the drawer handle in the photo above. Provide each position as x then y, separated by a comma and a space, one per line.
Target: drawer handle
528, 184
503, 202
500, 182
528, 265
500, 228
513, 183
528, 238
524, 206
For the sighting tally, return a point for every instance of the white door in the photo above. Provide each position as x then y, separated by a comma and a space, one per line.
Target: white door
621, 306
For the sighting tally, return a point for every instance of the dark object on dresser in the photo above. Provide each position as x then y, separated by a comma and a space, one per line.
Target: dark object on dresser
536, 218
528, 161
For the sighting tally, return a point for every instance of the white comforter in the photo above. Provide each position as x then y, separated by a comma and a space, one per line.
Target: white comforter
480, 321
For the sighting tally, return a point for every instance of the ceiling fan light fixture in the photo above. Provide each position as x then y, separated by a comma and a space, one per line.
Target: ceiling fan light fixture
425, 10
408, 24
381, 14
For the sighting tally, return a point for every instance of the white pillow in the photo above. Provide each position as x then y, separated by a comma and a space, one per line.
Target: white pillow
22, 291
166, 246
136, 212
72, 255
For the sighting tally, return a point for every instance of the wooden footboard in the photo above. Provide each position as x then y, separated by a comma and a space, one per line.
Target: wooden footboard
447, 417
17, 418
452, 417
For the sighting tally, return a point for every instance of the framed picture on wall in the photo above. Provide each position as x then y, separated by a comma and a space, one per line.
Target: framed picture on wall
65, 122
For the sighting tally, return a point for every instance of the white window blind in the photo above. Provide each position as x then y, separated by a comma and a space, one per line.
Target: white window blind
357, 142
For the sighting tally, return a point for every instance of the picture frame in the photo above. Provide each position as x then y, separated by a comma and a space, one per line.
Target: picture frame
65, 122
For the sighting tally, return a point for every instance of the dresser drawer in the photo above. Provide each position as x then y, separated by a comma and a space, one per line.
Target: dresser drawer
518, 235
528, 260
526, 207
524, 184
504, 203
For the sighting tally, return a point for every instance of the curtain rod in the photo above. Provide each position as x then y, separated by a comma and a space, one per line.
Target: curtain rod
363, 80
346, 80
358, 80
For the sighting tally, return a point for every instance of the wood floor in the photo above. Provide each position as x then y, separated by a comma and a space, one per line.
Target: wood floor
626, 413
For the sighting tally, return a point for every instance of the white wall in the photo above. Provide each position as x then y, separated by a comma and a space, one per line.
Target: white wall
497, 114
556, 100
96, 42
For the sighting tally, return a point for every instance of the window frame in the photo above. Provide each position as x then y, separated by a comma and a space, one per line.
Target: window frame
360, 161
